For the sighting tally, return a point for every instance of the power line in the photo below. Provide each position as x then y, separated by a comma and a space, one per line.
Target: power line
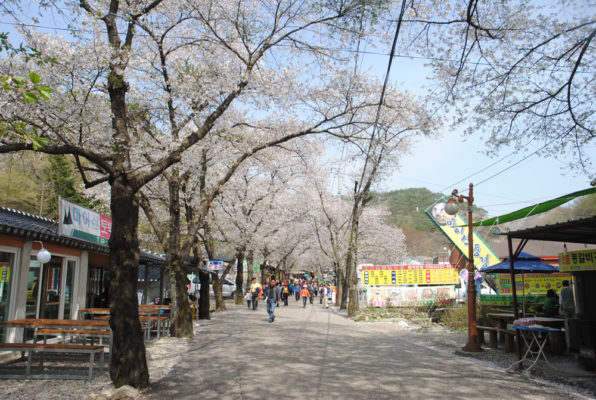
344, 50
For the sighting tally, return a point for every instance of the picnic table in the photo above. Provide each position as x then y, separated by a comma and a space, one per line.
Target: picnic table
148, 314
70, 327
505, 335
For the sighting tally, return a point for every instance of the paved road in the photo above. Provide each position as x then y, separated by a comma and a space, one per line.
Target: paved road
315, 353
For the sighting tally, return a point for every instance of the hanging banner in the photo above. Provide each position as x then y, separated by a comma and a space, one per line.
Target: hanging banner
531, 283
435, 274
82, 223
577, 261
456, 229
409, 296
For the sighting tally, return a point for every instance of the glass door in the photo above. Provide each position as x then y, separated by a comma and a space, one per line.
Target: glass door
67, 300
33, 288
49, 300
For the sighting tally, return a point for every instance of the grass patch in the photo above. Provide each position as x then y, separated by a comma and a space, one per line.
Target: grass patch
453, 317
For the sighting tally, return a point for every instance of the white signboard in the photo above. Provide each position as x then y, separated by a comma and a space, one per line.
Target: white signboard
82, 223
215, 265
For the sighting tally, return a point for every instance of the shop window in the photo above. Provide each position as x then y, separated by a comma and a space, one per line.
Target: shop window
6, 269
69, 288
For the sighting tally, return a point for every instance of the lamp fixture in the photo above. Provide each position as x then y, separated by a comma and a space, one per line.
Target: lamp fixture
43, 256
451, 206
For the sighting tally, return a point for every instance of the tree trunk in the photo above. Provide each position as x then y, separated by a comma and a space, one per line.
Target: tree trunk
352, 261
204, 306
250, 272
240, 278
128, 365
340, 290
181, 319
220, 304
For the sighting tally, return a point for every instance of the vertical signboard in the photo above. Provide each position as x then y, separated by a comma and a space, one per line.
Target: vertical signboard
82, 223
455, 227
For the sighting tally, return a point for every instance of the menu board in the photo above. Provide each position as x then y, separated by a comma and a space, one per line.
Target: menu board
434, 274
532, 283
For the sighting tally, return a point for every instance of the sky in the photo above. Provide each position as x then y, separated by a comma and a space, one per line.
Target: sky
453, 161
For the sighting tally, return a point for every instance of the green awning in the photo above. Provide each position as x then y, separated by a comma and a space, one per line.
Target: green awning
535, 209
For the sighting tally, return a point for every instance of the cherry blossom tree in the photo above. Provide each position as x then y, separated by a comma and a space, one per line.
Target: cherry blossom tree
518, 73
139, 83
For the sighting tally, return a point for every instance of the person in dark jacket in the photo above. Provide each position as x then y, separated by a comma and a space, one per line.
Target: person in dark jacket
551, 304
273, 296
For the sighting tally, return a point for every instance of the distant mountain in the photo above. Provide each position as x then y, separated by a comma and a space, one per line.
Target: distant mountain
407, 208
423, 238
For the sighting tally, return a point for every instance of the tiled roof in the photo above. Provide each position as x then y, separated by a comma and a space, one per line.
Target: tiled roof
34, 227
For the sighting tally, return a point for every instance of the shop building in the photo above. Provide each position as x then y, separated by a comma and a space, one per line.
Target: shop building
75, 277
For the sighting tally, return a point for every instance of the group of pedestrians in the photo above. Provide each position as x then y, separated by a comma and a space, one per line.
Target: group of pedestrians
275, 293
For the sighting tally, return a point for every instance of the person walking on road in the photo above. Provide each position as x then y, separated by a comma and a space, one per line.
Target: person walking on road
297, 290
255, 290
272, 297
285, 292
305, 294
324, 292
248, 298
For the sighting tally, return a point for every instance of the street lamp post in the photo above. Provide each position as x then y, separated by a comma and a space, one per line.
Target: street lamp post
451, 208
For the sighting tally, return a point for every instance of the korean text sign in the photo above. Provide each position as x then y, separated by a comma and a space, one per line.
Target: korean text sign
82, 223
456, 229
435, 274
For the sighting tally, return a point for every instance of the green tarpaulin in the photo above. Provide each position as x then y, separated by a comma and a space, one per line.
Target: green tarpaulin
535, 209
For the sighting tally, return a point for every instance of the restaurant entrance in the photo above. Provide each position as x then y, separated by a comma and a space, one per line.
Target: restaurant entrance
53, 297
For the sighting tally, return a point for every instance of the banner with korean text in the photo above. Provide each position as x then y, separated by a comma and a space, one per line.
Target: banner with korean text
434, 274
531, 283
409, 296
577, 261
82, 223
456, 229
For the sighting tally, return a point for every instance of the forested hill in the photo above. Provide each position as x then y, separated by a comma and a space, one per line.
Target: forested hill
407, 208
422, 236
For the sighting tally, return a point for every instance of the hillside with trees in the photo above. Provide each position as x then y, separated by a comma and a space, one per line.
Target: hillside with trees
32, 182
407, 208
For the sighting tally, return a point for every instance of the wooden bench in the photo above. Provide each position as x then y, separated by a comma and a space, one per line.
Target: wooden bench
105, 337
161, 323
492, 335
85, 333
31, 348
509, 335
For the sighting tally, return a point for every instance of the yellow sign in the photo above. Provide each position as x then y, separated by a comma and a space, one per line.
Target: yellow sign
435, 274
4, 273
577, 261
455, 227
532, 283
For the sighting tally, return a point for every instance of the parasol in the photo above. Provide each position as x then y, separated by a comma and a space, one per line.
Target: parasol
522, 264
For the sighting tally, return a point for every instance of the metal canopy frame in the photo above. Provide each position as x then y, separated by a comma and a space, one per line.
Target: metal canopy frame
579, 231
